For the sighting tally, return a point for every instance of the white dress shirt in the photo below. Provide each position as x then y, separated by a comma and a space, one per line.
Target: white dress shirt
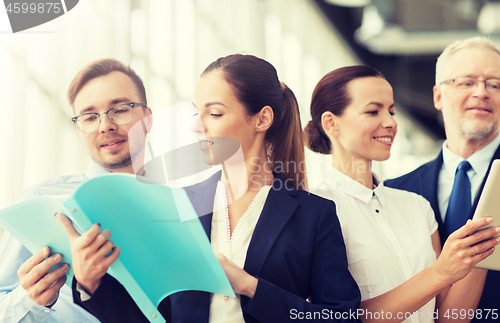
228, 309
479, 161
387, 233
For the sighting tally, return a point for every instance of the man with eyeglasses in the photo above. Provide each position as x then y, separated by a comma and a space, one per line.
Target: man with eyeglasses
107, 98
467, 92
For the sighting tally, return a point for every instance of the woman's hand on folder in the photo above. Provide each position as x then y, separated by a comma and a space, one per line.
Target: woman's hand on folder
242, 282
41, 285
92, 253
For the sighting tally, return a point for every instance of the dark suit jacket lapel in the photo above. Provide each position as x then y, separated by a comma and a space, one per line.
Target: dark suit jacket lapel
278, 209
430, 192
202, 197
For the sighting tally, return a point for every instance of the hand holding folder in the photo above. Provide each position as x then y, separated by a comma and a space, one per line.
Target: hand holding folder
160, 253
92, 253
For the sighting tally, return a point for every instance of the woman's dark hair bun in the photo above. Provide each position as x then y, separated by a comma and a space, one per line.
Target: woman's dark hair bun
316, 141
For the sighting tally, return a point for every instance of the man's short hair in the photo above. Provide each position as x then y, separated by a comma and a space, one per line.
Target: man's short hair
99, 68
445, 57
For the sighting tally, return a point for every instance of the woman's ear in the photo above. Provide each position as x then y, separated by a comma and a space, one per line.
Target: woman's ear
265, 118
329, 122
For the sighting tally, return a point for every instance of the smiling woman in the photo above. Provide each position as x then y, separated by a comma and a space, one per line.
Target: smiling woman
391, 235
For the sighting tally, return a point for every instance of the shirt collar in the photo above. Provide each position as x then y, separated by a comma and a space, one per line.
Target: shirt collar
479, 161
95, 170
380, 193
341, 182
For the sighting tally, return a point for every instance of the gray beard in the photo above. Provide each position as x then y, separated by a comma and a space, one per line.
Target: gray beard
470, 130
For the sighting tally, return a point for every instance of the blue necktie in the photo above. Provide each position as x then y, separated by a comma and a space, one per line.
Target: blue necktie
459, 206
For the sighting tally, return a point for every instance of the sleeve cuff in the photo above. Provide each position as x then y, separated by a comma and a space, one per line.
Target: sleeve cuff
84, 296
26, 304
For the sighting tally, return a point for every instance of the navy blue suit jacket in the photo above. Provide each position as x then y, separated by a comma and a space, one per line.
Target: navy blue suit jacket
296, 251
424, 181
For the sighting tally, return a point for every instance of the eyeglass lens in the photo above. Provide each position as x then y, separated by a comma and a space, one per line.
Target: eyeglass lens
118, 115
492, 85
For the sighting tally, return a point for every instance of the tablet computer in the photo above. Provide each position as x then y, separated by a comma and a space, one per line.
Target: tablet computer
489, 205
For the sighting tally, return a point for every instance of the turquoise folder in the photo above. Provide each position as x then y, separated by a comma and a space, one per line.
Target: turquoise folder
161, 252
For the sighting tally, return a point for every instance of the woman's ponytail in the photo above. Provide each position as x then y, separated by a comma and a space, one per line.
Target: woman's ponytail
286, 147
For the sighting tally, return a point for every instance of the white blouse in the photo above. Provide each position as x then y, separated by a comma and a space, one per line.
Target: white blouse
227, 309
387, 233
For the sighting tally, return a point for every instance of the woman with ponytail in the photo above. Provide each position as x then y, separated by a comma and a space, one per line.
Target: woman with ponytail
280, 246
390, 235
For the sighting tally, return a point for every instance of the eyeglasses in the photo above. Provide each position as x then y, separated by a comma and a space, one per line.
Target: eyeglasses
470, 83
120, 114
